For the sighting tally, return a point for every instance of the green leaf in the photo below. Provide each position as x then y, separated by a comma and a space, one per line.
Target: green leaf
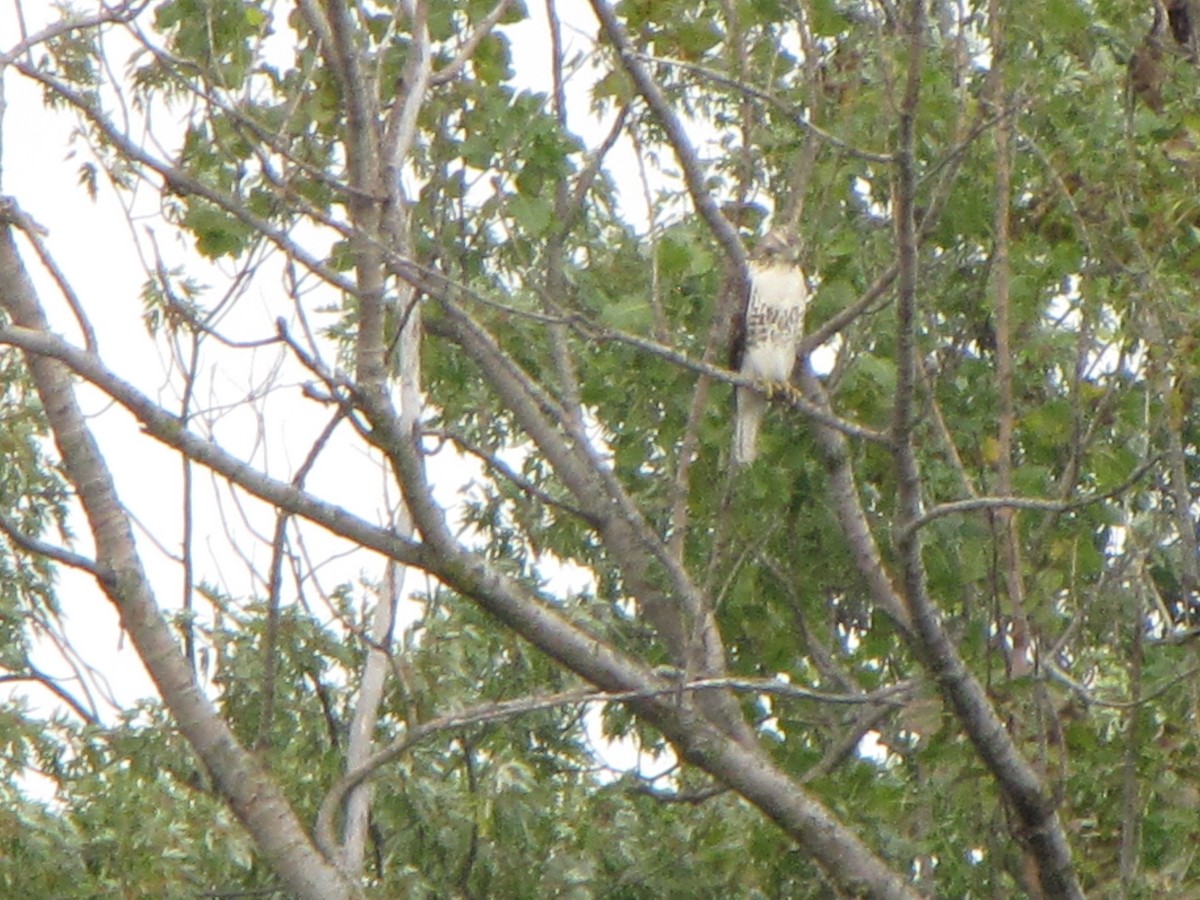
533, 214
1067, 17
491, 59
217, 233
630, 314
827, 19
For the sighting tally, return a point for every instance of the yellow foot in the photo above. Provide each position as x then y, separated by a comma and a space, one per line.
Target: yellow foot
784, 390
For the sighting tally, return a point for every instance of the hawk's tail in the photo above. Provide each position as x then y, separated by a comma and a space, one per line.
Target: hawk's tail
747, 420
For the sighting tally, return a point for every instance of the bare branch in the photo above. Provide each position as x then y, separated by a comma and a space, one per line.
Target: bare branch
250, 792
181, 182
507, 472
798, 402
38, 547
122, 12
702, 198
39, 677
844, 497
34, 233
796, 116
1030, 802
452, 69
976, 504
499, 711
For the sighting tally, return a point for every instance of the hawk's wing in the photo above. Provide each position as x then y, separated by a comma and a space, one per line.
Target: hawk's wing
737, 332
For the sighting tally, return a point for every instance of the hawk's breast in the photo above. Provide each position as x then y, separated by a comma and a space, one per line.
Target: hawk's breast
774, 320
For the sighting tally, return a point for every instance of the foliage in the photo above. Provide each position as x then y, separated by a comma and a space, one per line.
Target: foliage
1079, 273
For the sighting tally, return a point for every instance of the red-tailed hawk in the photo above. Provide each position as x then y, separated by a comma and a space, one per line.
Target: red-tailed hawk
767, 331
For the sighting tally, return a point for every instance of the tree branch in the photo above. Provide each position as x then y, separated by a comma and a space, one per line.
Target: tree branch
250, 792
1018, 782
796, 116
693, 174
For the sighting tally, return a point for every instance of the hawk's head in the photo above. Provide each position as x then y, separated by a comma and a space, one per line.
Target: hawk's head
778, 248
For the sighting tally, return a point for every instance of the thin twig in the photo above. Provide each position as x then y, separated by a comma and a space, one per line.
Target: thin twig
974, 504
452, 69
36, 547
795, 115
490, 713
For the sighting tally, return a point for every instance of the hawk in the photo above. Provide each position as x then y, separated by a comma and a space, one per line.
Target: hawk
767, 331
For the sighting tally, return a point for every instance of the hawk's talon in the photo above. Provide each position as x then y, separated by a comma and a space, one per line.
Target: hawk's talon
775, 390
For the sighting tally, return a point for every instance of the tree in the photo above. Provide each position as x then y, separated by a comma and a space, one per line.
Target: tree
968, 540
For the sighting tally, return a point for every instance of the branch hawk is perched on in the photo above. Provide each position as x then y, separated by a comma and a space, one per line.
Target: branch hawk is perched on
767, 330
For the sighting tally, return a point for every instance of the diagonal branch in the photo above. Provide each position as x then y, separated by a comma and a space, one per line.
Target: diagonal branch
693, 173
463, 55
744, 770
122, 12
679, 613
1019, 783
796, 116
38, 547
249, 790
